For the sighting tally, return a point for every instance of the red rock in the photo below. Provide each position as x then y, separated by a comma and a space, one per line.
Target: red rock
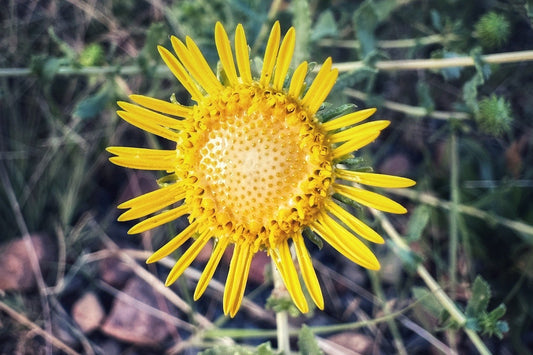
15, 266
359, 343
130, 323
87, 312
114, 272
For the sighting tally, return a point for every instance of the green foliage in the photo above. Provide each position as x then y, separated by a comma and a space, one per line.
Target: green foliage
92, 55
55, 127
96, 103
282, 304
428, 301
478, 318
263, 349
302, 25
330, 112
418, 222
424, 96
494, 115
325, 26
492, 30
311, 236
367, 18
307, 342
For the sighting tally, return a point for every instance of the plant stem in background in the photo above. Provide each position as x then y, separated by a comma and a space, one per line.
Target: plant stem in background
433, 285
376, 286
454, 212
282, 317
387, 65
453, 219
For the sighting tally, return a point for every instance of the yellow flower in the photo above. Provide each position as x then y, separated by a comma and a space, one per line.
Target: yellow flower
253, 166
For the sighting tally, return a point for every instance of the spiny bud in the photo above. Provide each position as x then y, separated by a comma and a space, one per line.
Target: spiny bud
492, 30
92, 55
494, 115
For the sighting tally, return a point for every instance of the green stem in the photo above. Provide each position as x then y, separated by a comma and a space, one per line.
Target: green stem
437, 63
387, 65
378, 290
453, 218
454, 212
390, 44
523, 230
282, 317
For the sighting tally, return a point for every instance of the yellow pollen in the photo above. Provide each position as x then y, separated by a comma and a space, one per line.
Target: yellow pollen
259, 161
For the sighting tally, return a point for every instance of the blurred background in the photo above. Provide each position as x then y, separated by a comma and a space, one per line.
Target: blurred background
456, 80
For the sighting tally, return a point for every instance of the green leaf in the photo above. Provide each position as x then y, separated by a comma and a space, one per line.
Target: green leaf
302, 25
94, 104
424, 96
470, 92
354, 77
436, 20
428, 301
307, 342
365, 21
367, 18
46, 67
265, 349
325, 26
409, 258
497, 312
315, 239
334, 111
482, 68
156, 35
282, 304
418, 222
480, 298
451, 73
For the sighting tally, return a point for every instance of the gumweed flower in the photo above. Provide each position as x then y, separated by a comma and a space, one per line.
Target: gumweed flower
253, 166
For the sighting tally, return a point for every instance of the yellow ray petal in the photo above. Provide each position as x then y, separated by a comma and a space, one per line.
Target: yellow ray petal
290, 278
353, 145
323, 91
143, 158
174, 243
151, 116
210, 268
373, 179
284, 59
345, 242
237, 277
152, 202
313, 92
359, 131
165, 107
370, 199
348, 120
297, 80
353, 223
159, 219
271, 52
242, 55
180, 73
188, 257
146, 198
148, 125
285, 265
195, 63
224, 52
308, 271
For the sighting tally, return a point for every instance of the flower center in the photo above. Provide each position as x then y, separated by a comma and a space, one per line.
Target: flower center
261, 162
